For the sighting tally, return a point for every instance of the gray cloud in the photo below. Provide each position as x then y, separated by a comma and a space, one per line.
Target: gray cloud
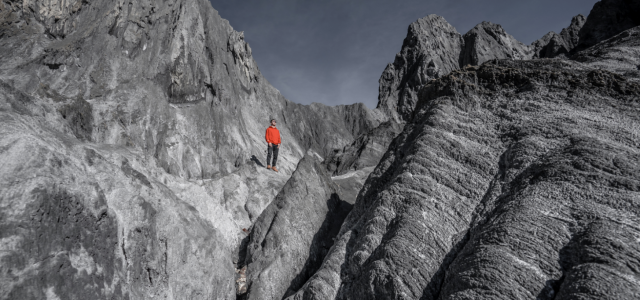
333, 52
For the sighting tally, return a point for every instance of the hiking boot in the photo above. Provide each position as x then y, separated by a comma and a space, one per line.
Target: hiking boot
274, 168
268, 166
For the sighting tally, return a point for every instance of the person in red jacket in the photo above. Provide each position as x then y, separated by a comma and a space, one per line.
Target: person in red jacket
273, 140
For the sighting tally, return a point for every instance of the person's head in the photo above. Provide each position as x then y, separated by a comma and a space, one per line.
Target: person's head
273, 122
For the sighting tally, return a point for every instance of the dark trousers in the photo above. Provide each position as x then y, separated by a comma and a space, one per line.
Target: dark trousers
272, 149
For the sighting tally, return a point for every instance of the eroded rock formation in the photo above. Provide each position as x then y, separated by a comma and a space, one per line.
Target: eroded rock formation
132, 146
430, 50
489, 41
553, 44
131, 140
294, 233
608, 18
476, 199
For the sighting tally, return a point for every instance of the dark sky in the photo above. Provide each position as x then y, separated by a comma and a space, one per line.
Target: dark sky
334, 51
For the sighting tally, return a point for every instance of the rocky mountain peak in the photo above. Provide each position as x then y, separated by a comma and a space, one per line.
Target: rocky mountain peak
606, 19
571, 34
490, 41
430, 50
553, 44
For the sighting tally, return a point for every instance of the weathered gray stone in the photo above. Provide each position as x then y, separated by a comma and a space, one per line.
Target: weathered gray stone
430, 50
363, 152
85, 221
606, 19
290, 239
619, 54
158, 75
352, 164
143, 123
553, 44
476, 199
489, 41
571, 34
131, 141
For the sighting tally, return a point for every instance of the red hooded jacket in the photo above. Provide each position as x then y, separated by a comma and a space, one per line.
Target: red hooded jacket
272, 135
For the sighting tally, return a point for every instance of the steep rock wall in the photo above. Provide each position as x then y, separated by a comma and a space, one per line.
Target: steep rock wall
171, 78
429, 51
133, 148
476, 198
608, 18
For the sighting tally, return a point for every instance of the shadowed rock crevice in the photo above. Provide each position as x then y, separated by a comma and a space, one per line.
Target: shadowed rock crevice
322, 241
291, 237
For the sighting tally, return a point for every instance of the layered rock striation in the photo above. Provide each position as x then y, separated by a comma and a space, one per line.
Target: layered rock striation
478, 199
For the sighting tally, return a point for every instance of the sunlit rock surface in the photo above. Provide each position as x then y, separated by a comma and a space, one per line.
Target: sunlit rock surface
132, 148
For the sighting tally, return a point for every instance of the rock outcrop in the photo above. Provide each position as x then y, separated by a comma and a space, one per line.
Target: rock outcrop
365, 151
608, 18
172, 79
553, 44
294, 233
133, 148
430, 50
489, 41
87, 221
619, 54
131, 140
477, 199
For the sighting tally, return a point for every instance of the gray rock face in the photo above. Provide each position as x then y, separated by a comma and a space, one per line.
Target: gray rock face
606, 19
430, 50
291, 237
553, 44
132, 134
172, 79
352, 164
131, 145
363, 152
477, 199
87, 221
489, 41
571, 34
